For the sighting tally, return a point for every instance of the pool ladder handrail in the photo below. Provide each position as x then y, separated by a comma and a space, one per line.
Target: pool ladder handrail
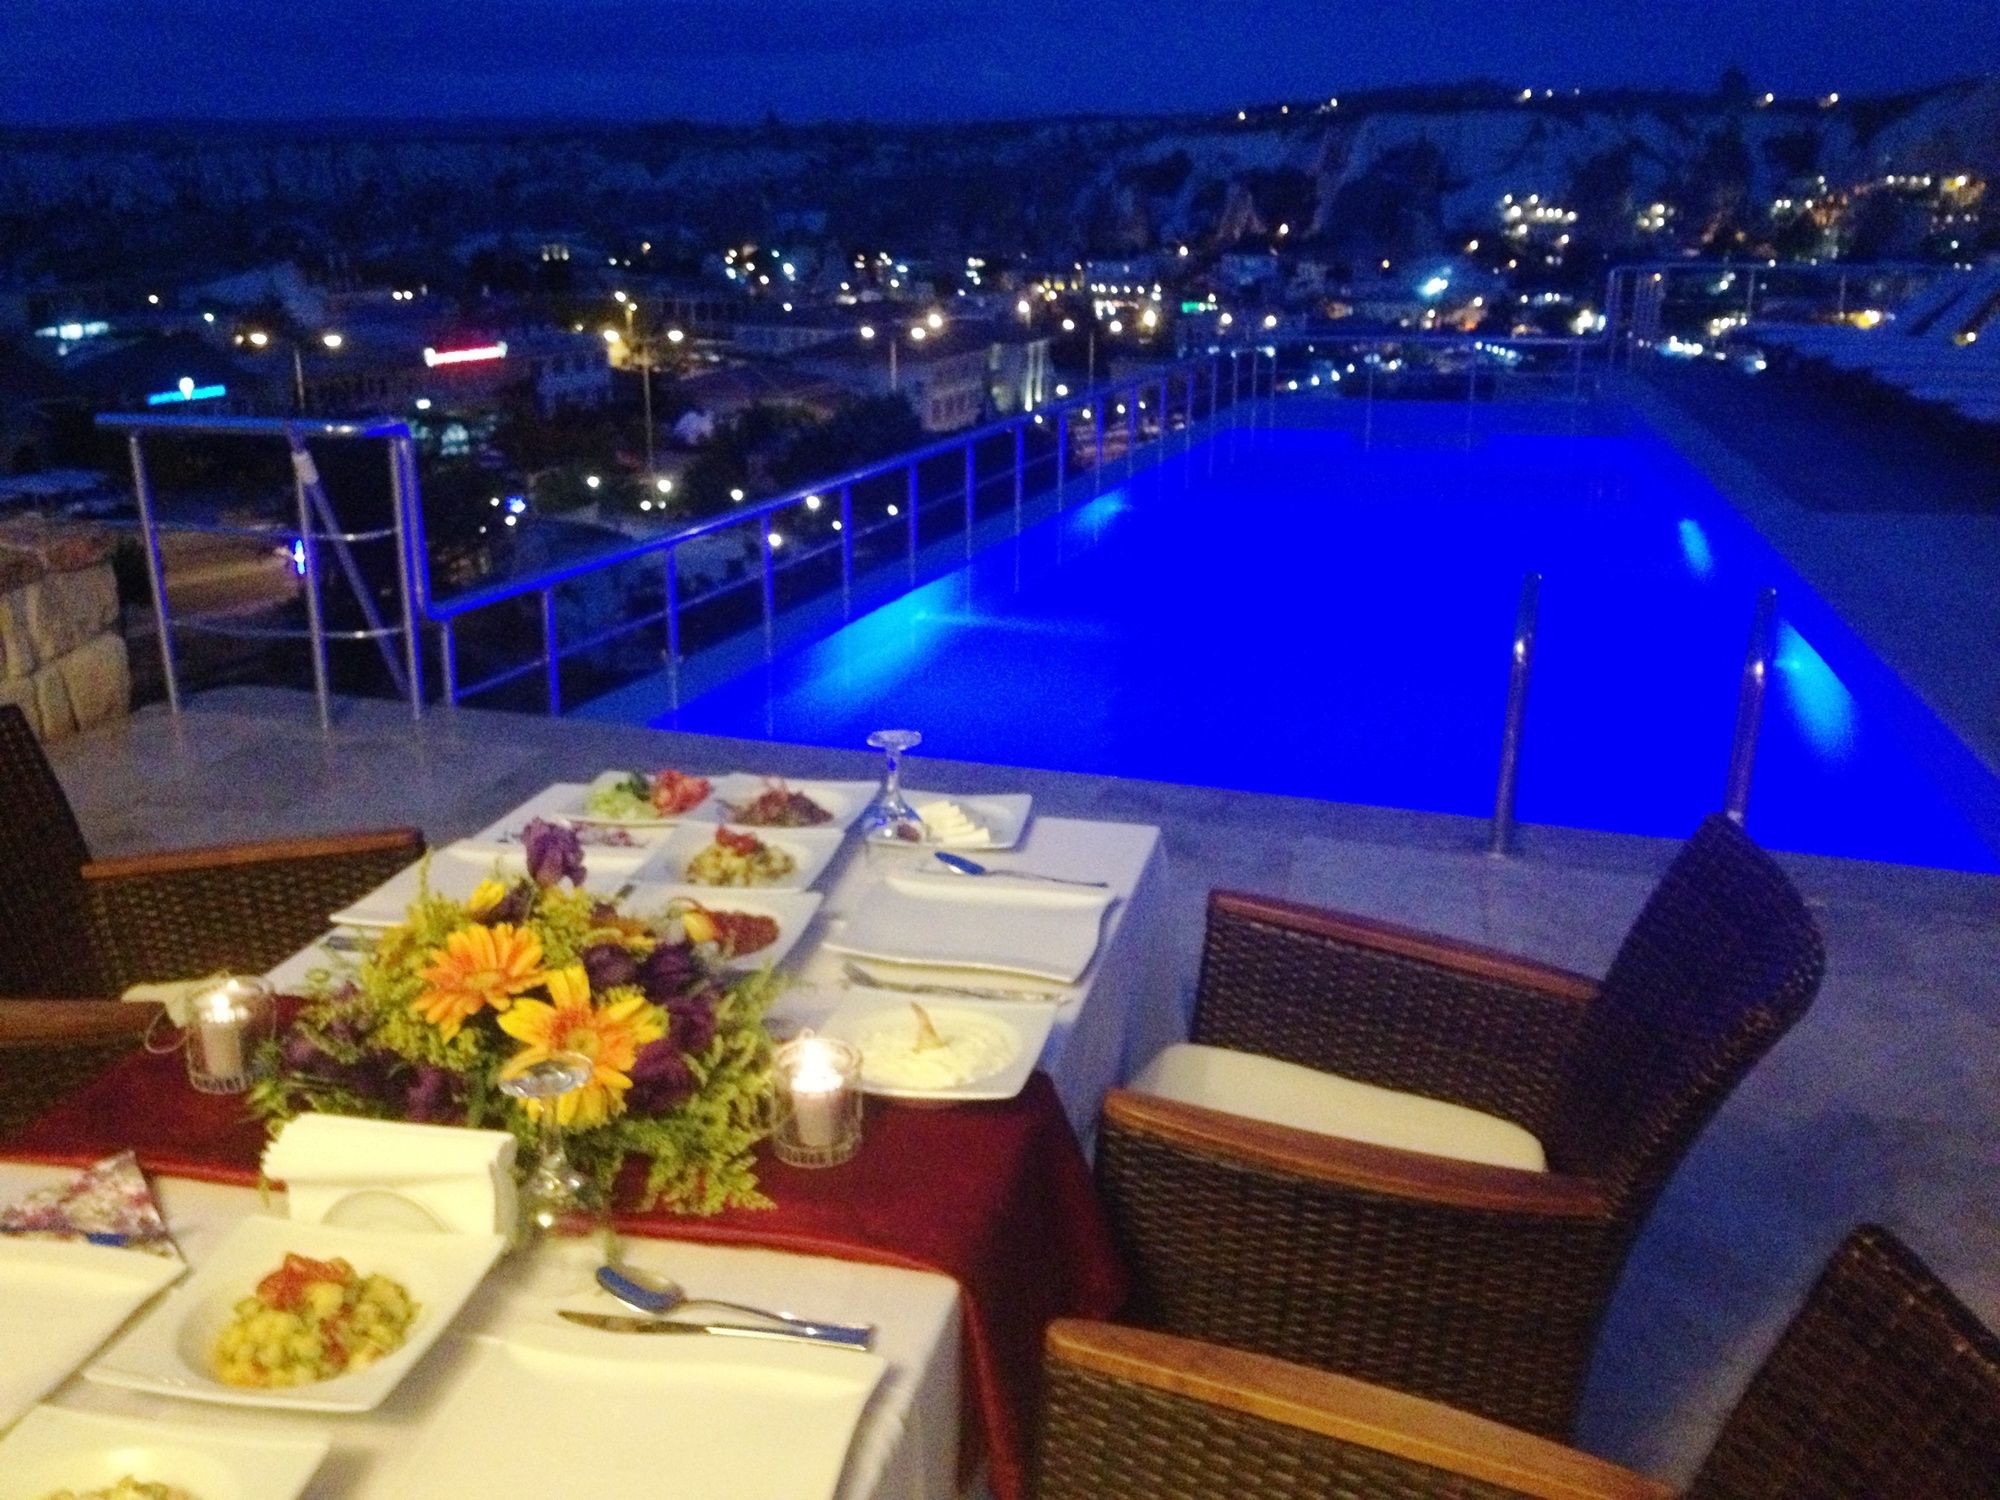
1521, 666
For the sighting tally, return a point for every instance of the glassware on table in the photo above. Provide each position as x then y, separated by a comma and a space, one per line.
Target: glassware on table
817, 1080
557, 1202
889, 824
227, 1025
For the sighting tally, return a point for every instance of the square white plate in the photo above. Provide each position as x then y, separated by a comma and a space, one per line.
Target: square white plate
1005, 816
844, 799
55, 1449
1011, 926
572, 805
866, 1013
811, 849
167, 1352
58, 1302
456, 871
793, 911
621, 1414
563, 803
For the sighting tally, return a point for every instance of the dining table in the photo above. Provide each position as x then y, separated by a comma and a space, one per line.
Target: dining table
955, 1230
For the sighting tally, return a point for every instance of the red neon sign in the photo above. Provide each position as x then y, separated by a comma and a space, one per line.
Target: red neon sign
436, 357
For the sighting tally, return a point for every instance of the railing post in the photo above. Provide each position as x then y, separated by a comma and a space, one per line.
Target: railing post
770, 588
400, 487
551, 658
1235, 378
1757, 660
142, 491
1520, 668
1131, 427
912, 490
847, 551
1099, 406
971, 489
1020, 472
1471, 395
302, 475
1368, 407
1062, 456
448, 661
671, 579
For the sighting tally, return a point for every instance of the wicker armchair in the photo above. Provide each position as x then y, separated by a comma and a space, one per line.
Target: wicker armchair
71, 926
49, 1047
1477, 1285
1883, 1388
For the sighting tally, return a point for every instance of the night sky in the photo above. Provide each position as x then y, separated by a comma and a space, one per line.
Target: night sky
89, 60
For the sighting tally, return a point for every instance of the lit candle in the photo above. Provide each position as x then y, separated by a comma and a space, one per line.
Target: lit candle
819, 1094
220, 1025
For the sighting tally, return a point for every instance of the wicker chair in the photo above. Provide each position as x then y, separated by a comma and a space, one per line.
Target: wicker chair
48, 1047
1477, 1285
1884, 1388
71, 926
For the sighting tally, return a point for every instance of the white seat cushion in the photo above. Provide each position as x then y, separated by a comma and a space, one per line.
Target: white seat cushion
1282, 1093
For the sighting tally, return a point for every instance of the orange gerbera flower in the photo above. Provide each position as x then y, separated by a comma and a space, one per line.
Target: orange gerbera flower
609, 1035
478, 967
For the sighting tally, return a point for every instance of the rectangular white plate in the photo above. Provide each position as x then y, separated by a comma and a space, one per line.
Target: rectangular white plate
844, 799
54, 1449
960, 922
562, 803
167, 1351
58, 1302
869, 1011
793, 911
572, 805
561, 1411
811, 849
456, 871
1004, 814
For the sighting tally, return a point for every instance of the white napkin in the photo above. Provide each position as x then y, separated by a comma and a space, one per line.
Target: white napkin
463, 1178
177, 995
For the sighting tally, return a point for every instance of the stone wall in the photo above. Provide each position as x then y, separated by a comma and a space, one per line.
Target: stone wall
62, 653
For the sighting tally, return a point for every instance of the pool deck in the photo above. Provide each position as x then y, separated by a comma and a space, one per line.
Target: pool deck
1883, 1104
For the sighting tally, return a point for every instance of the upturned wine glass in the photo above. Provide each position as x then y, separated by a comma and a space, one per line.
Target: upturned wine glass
557, 1201
889, 822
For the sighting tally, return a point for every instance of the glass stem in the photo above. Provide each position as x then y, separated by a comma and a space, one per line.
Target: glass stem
554, 1162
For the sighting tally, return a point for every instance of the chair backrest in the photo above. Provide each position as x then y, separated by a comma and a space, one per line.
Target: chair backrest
1721, 961
45, 943
1884, 1387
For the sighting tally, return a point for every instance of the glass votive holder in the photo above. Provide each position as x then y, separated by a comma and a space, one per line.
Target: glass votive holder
817, 1080
227, 1024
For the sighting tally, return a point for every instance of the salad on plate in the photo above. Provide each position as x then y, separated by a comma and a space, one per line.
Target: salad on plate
637, 797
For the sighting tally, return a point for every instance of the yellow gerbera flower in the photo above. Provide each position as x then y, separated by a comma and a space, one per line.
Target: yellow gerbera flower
485, 896
609, 1035
478, 967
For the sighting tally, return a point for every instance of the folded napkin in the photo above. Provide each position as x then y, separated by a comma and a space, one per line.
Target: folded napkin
108, 1203
176, 995
462, 1178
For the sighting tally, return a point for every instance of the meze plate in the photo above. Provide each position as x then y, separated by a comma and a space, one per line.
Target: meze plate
55, 1449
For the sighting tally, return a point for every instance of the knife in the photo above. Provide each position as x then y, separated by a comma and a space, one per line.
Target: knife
870, 980
807, 1333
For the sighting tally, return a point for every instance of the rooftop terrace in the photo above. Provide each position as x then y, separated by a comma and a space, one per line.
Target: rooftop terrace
1883, 1104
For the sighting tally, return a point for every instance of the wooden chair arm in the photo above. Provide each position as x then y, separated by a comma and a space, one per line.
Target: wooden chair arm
1356, 1164
406, 841
1346, 1410
35, 1023
1469, 959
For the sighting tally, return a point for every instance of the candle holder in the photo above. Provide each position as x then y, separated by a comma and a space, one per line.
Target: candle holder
227, 1025
818, 1084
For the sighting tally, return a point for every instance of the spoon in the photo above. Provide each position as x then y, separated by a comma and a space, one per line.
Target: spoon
660, 1295
964, 866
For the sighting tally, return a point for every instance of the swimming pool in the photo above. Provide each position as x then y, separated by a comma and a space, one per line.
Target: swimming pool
1286, 610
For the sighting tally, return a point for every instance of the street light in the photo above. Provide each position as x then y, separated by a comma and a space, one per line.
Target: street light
332, 340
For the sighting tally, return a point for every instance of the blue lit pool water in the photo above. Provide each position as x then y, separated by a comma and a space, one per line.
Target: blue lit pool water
1286, 612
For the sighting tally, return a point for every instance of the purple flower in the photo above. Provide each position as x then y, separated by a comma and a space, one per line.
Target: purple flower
667, 971
609, 964
661, 1078
692, 1020
554, 853
300, 1053
431, 1098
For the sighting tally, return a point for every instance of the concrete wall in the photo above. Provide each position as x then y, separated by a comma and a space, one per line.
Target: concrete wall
62, 654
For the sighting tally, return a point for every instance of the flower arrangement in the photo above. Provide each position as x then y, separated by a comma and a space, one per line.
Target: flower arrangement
464, 994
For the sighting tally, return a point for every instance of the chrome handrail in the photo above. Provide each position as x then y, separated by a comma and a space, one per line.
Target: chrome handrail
1757, 661
1520, 669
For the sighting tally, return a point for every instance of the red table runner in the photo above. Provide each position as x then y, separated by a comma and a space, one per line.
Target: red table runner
995, 1196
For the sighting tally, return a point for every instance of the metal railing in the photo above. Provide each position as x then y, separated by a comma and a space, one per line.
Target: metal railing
320, 537
1520, 669
991, 473
1757, 661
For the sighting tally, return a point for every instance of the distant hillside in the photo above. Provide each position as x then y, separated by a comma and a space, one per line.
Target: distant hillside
1407, 170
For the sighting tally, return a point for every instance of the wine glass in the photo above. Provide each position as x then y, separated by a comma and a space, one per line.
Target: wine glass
889, 822
558, 1203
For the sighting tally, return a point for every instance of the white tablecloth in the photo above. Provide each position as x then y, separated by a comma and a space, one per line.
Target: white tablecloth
906, 1448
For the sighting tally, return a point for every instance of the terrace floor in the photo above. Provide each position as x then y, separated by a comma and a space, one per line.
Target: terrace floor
1883, 1104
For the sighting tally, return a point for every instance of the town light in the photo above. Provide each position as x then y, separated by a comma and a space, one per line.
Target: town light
736, 495
1114, 326
935, 320
1062, 390
1069, 325
611, 336
332, 340
868, 330
917, 334
1150, 318
664, 486
592, 480
260, 338
1270, 320
674, 335
617, 296
1022, 307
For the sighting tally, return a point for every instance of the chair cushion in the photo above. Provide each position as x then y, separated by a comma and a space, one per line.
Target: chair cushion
1282, 1093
